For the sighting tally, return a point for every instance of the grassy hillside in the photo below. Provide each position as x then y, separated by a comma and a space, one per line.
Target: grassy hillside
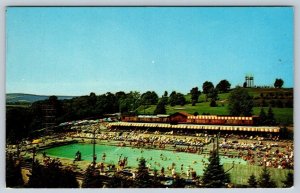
282, 115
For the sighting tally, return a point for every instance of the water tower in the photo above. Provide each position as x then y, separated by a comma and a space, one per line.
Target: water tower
249, 79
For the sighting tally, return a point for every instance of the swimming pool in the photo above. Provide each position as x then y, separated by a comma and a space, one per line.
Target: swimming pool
155, 158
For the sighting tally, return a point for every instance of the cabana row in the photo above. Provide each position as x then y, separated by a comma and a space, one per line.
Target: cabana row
219, 117
197, 127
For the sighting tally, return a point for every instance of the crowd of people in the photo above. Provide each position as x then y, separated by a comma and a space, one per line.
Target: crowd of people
256, 150
270, 150
261, 153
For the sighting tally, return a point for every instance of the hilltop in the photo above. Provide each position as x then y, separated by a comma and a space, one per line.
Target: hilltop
29, 98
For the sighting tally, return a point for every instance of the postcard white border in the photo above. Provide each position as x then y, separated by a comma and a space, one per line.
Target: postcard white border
5, 3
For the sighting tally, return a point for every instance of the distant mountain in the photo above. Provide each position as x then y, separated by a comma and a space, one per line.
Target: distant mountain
22, 97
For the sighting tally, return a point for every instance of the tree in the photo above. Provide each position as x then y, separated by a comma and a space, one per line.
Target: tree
69, 179
213, 103
149, 98
240, 102
53, 99
131, 102
180, 99
207, 86
120, 95
223, 86
212, 94
164, 100
18, 123
165, 94
92, 99
91, 178
155, 181
173, 98
160, 108
252, 183
142, 176
51, 176
56, 105
176, 99
270, 120
195, 93
262, 116
265, 180
36, 178
13, 172
245, 85
278, 83
214, 175
289, 181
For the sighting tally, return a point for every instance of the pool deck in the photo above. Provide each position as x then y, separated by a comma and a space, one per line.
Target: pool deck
80, 166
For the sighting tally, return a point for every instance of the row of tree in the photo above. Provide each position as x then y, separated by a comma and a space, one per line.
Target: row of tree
275, 103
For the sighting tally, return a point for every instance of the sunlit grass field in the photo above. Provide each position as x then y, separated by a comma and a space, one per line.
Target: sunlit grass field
241, 173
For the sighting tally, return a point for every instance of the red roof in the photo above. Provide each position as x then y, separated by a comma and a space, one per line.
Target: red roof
182, 113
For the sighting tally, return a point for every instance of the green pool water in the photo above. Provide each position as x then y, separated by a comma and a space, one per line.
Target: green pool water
155, 158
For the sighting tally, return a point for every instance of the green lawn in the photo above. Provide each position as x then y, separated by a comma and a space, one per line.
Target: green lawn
241, 173
282, 115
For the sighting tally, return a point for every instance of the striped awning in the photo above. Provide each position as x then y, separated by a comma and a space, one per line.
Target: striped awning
198, 127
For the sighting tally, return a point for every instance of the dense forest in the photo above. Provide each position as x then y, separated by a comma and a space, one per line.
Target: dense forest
21, 122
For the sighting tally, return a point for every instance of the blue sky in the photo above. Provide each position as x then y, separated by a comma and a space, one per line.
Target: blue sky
75, 51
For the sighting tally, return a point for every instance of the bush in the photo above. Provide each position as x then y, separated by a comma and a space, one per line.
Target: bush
213, 103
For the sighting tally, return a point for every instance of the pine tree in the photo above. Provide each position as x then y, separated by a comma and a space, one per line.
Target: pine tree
142, 176
155, 181
160, 108
265, 180
289, 181
91, 178
270, 117
13, 172
252, 183
262, 116
36, 179
214, 175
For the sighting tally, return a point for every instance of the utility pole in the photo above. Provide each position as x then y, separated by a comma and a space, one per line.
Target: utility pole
94, 148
